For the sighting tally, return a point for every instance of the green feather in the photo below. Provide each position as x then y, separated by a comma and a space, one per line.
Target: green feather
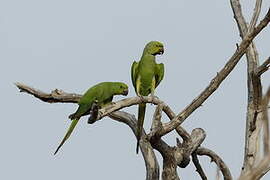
70, 129
141, 114
146, 75
103, 93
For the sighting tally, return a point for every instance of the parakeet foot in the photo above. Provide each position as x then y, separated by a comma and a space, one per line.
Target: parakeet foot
91, 120
141, 97
111, 103
71, 116
152, 98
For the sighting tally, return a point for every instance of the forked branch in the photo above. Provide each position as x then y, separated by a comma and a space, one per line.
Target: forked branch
256, 172
179, 154
221, 75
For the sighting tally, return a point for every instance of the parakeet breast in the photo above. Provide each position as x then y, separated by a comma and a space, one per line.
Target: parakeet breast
146, 74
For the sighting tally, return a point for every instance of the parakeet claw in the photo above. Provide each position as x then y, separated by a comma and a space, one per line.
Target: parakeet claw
141, 97
91, 120
152, 98
111, 103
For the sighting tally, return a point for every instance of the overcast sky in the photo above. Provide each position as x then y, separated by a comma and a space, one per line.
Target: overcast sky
72, 45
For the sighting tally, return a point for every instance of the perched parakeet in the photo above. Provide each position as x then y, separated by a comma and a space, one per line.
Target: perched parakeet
146, 76
102, 94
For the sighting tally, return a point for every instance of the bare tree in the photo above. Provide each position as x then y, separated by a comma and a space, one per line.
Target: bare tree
257, 155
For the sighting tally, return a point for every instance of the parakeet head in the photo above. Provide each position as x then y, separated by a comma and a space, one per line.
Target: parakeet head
154, 48
121, 88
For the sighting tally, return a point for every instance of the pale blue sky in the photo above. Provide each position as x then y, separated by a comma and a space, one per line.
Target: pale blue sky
72, 45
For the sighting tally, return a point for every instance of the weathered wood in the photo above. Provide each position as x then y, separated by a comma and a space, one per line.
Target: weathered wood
215, 158
218, 79
178, 156
252, 153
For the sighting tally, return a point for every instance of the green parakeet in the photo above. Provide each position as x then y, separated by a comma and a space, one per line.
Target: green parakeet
146, 76
102, 94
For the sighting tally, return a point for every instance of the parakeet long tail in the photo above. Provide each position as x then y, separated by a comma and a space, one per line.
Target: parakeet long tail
70, 129
141, 114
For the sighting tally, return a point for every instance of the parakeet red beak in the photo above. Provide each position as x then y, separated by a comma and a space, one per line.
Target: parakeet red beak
125, 92
161, 51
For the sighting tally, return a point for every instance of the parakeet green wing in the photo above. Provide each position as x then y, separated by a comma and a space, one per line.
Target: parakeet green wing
134, 69
146, 75
159, 73
103, 93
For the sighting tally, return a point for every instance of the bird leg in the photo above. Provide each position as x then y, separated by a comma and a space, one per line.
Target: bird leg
140, 96
93, 112
152, 96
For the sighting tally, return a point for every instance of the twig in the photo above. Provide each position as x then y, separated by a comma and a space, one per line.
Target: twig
198, 166
256, 13
217, 173
238, 16
55, 96
219, 162
263, 68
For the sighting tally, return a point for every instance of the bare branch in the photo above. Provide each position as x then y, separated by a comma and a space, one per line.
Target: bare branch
256, 172
63, 97
253, 125
54, 97
152, 167
217, 173
187, 148
156, 122
181, 131
175, 156
219, 162
221, 75
198, 166
265, 119
238, 16
263, 68
197, 137
59, 96
111, 111
256, 13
